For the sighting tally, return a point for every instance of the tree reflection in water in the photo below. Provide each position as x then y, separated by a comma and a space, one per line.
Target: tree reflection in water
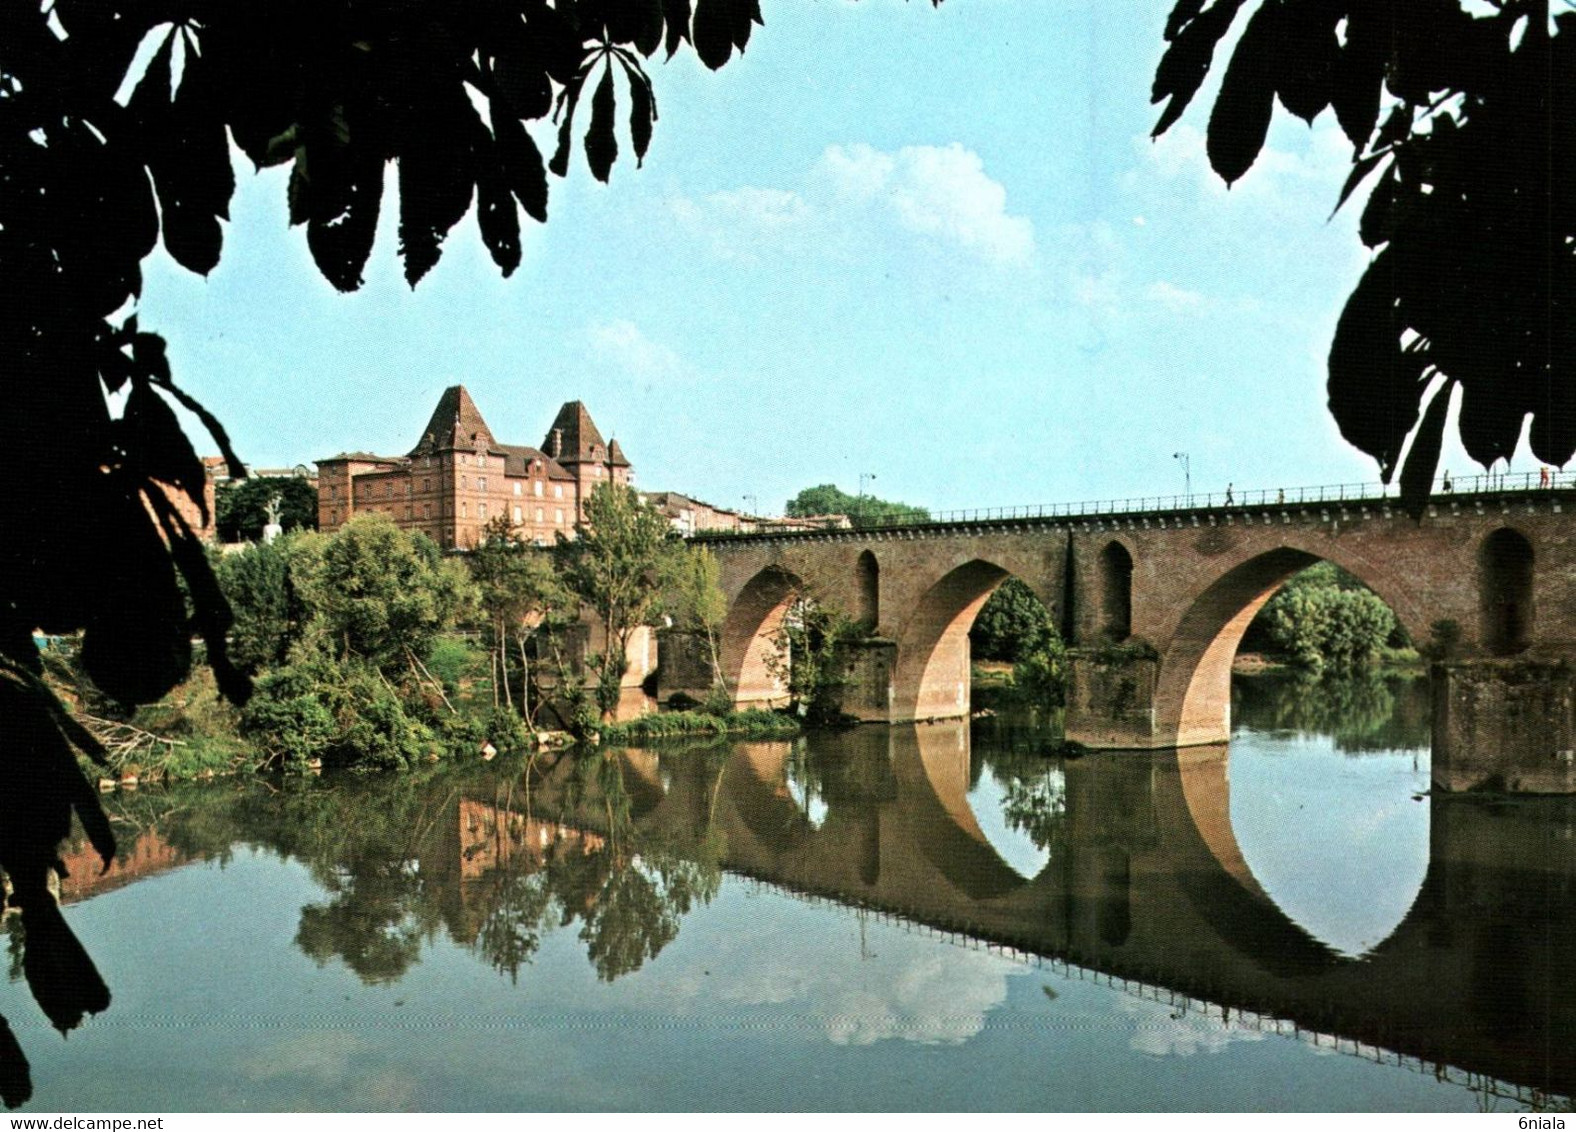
531, 861
1361, 712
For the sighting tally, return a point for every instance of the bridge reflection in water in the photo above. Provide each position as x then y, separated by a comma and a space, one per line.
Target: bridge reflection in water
1143, 880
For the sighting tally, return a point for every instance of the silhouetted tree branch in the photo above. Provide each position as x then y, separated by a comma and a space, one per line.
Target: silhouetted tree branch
1462, 121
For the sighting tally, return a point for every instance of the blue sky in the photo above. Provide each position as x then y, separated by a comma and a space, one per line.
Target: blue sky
935, 245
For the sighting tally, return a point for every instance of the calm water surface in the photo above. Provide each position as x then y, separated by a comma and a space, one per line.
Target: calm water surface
941, 917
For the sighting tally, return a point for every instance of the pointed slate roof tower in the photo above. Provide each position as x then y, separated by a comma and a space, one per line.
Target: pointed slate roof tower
455, 423
573, 437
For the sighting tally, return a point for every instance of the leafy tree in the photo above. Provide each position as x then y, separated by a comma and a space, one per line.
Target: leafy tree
268, 614
1009, 623
864, 510
1473, 213
615, 565
240, 509
1014, 625
1324, 626
519, 590
380, 594
811, 657
699, 606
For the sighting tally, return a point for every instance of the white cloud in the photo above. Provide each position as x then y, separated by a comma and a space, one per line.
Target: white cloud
941, 193
624, 348
918, 995
1162, 1030
740, 223
937, 191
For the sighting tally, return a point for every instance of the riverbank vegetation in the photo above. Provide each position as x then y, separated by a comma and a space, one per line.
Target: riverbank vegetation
1325, 621
370, 648
1017, 648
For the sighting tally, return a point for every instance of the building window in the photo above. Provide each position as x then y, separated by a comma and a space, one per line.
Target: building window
426, 486
426, 510
519, 516
537, 487
464, 510
465, 483
481, 483
558, 491
407, 514
481, 510
388, 489
517, 487
538, 514
558, 516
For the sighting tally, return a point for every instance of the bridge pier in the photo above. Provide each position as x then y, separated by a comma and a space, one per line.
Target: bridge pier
1111, 696
1505, 725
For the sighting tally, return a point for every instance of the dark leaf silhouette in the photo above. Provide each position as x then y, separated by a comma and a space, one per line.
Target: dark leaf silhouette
16, 1077
713, 28
435, 178
1417, 474
63, 979
601, 145
522, 165
1474, 207
157, 449
642, 110
1311, 53
1374, 385
136, 645
520, 70
1242, 113
676, 15
1378, 220
188, 153
495, 210
1359, 173
1183, 67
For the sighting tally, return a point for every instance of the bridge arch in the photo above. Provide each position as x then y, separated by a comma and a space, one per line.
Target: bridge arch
1505, 564
1192, 700
748, 644
930, 679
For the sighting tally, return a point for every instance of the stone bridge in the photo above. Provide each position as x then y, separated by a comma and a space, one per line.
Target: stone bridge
1155, 602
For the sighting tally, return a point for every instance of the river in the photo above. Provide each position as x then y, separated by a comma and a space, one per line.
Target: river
941, 917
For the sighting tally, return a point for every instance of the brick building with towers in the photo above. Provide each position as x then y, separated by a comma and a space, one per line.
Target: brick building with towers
459, 477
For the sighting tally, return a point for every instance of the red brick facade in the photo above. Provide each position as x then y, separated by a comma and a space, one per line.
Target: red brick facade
458, 477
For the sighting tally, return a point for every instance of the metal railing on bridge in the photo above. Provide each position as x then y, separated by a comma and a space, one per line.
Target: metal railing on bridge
1446, 486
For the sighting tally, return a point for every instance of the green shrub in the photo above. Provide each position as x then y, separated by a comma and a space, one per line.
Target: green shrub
1326, 626
754, 724
342, 712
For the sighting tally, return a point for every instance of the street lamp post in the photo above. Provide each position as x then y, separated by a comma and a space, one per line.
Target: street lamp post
1187, 474
860, 506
